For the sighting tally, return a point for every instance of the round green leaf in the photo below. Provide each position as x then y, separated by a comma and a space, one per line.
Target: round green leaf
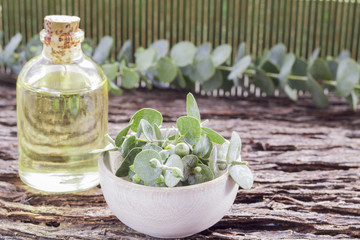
128, 144
192, 109
202, 70
241, 51
224, 148
173, 161
213, 83
183, 53
264, 82
129, 78
242, 175
166, 70
144, 58
149, 114
221, 54
234, 148
161, 47
347, 77
319, 70
213, 162
103, 49
153, 147
203, 51
286, 69
142, 165
147, 129
239, 67
213, 136
125, 52
111, 70
190, 127
123, 170
317, 93
203, 147
121, 135
277, 54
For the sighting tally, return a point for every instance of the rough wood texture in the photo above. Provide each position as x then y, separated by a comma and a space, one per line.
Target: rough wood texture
306, 163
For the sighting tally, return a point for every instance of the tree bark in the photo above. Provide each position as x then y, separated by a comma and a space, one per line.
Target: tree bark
306, 164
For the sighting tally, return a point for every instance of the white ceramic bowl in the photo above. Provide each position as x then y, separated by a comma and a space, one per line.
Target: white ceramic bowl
166, 212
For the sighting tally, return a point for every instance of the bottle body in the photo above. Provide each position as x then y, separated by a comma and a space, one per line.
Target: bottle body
62, 114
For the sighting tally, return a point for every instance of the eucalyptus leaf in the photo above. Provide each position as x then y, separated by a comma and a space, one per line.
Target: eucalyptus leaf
319, 70
213, 83
241, 51
11, 47
239, 67
291, 93
234, 148
348, 75
213, 136
317, 93
128, 145
161, 47
353, 99
125, 52
166, 70
144, 58
173, 161
190, 128
147, 129
142, 165
129, 78
299, 69
183, 53
277, 54
344, 54
203, 51
103, 49
113, 88
213, 162
192, 108
121, 135
190, 162
153, 147
314, 55
123, 170
242, 175
264, 82
333, 66
286, 68
203, 147
111, 70
201, 70
221, 54
179, 80
149, 114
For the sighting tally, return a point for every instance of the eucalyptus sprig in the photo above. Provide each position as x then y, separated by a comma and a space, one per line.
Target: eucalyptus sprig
188, 154
185, 65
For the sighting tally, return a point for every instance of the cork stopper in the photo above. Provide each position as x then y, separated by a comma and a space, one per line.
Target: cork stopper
62, 37
61, 24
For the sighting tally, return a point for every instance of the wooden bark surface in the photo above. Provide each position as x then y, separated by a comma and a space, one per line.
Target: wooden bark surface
306, 164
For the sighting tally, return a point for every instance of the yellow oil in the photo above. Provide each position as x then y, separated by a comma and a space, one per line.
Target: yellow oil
61, 119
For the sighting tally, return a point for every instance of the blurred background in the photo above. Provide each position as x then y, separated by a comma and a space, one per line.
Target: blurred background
302, 25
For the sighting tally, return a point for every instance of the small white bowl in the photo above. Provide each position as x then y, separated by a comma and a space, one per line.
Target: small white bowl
166, 212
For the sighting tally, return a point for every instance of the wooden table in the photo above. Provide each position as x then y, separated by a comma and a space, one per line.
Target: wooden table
306, 163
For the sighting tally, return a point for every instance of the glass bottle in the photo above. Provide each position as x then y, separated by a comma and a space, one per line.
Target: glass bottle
62, 112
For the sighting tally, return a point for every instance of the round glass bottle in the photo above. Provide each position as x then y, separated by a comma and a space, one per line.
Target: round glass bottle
62, 112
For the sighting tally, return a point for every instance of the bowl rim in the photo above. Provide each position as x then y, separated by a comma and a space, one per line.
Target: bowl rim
104, 169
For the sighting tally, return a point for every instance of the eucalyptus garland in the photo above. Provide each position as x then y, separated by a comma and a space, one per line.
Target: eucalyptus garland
185, 65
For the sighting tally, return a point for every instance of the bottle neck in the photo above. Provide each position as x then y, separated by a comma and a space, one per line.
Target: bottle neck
62, 48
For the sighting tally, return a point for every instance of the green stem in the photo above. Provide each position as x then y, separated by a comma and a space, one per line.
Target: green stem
251, 73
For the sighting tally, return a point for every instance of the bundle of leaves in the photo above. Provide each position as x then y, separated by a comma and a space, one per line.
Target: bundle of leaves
185, 65
187, 155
